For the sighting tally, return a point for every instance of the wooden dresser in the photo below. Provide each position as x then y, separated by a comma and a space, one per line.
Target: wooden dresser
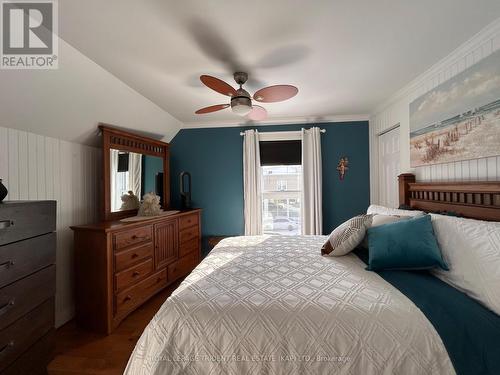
121, 265
27, 286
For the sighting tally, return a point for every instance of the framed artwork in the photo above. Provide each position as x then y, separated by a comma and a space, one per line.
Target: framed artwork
459, 119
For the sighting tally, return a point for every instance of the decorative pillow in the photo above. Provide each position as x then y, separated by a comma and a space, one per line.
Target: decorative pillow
472, 250
382, 220
381, 210
404, 245
346, 236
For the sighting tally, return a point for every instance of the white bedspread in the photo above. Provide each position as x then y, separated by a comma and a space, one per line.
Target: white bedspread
274, 305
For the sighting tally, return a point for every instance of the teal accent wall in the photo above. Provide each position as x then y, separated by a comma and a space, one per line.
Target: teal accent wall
214, 157
151, 166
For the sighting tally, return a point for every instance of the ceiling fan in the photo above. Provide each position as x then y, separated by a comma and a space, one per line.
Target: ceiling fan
241, 101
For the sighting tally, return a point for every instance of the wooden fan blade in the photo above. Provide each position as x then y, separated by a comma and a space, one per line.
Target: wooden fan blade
276, 93
257, 113
212, 108
218, 85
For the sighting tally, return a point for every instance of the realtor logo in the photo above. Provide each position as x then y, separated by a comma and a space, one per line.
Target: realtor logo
29, 35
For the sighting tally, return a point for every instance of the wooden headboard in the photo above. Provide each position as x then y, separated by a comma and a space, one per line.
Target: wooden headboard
476, 200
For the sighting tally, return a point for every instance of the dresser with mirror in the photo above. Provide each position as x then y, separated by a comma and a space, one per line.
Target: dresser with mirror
125, 259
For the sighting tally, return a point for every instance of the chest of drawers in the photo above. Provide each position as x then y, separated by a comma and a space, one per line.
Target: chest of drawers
119, 266
27, 285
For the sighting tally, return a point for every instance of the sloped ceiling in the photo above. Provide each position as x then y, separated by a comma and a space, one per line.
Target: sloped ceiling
68, 103
346, 57
136, 64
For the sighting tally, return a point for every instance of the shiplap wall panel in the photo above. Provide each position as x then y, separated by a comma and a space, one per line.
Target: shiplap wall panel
31, 167
4, 154
396, 111
35, 167
13, 160
23, 162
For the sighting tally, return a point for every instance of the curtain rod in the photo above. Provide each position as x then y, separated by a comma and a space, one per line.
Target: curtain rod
320, 130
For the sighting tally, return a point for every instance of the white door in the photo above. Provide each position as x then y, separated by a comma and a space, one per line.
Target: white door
388, 158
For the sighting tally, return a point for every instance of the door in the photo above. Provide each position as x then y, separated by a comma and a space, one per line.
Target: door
166, 243
388, 159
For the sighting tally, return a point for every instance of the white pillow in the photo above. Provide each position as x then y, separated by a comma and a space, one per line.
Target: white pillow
471, 248
381, 210
378, 220
347, 236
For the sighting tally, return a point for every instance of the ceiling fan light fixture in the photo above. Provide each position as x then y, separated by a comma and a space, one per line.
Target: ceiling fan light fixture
241, 101
241, 105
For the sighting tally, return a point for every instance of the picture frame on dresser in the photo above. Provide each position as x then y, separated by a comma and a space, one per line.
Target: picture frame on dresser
119, 265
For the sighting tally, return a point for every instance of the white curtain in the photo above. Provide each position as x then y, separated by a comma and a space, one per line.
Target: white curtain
135, 173
311, 207
252, 183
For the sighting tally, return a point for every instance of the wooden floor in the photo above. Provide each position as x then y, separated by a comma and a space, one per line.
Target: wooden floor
80, 352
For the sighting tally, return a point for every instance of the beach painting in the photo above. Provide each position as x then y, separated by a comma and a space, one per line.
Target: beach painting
459, 119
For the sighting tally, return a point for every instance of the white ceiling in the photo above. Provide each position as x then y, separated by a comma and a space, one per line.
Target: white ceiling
346, 57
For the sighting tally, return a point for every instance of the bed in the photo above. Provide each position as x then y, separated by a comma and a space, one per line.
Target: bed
274, 305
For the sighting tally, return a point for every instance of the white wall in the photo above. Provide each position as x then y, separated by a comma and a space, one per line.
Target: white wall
397, 110
45, 118
35, 167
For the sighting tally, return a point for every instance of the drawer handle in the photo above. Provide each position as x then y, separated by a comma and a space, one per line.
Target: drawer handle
5, 307
6, 223
134, 255
136, 237
6, 347
136, 273
127, 298
7, 264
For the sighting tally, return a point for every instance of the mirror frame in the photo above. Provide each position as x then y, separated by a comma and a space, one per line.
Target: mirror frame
113, 138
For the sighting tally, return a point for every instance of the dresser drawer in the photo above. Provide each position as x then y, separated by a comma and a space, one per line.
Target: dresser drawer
19, 336
127, 258
21, 220
35, 360
188, 221
132, 237
20, 259
182, 267
22, 296
188, 234
131, 275
134, 296
189, 246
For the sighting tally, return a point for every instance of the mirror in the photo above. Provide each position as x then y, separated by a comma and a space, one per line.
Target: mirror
132, 163
131, 176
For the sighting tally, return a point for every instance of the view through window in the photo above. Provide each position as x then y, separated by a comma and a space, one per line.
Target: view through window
281, 190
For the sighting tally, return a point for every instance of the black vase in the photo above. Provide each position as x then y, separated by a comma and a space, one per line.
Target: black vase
3, 191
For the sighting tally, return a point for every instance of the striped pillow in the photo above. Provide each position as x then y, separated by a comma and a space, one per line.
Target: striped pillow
347, 236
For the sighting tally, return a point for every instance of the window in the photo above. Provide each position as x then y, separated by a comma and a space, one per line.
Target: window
281, 185
121, 187
281, 191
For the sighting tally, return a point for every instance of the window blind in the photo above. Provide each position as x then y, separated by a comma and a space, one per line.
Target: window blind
280, 152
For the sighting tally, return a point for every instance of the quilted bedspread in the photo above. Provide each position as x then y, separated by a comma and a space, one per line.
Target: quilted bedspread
274, 305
